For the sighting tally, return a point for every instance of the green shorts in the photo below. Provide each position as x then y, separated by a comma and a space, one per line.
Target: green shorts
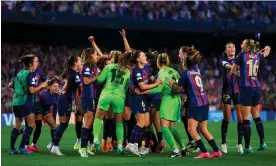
108, 100
170, 108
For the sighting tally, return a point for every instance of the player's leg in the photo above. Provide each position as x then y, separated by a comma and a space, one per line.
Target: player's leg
15, 130
64, 111
156, 121
37, 132
236, 102
210, 139
88, 116
226, 105
49, 119
30, 118
108, 131
78, 129
246, 95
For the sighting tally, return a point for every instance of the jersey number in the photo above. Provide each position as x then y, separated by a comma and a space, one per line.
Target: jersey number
115, 79
253, 68
199, 83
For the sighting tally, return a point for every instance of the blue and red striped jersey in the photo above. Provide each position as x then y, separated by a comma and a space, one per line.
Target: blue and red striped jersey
249, 63
191, 81
141, 75
73, 82
91, 90
39, 77
230, 81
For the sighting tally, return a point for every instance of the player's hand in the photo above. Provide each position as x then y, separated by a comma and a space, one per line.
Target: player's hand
91, 38
123, 33
172, 83
137, 91
44, 84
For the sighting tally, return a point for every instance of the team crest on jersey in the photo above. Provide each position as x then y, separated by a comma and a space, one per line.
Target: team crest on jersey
87, 69
33, 81
138, 74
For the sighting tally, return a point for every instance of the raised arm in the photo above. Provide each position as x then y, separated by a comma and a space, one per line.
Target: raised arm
94, 45
266, 51
126, 44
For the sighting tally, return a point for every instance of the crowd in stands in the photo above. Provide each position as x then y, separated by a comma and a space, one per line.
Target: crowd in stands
52, 58
254, 12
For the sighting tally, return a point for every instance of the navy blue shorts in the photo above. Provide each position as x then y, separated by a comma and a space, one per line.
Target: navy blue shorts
199, 113
64, 106
139, 104
226, 99
37, 109
155, 103
23, 110
127, 101
250, 96
88, 105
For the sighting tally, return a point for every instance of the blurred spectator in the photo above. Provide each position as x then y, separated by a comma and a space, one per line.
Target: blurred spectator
254, 12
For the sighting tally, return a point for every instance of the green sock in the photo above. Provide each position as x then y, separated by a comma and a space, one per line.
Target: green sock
177, 137
97, 125
169, 137
120, 132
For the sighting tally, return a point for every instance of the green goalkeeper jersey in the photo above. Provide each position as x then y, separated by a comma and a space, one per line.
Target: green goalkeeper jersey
166, 74
113, 83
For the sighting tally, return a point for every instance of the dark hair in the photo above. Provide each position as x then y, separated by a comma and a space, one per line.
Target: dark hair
123, 63
193, 57
27, 60
184, 48
135, 55
224, 55
85, 56
69, 63
151, 55
228, 44
102, 61
251, 45
52, 81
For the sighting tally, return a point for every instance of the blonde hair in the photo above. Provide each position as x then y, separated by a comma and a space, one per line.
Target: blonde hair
163, 59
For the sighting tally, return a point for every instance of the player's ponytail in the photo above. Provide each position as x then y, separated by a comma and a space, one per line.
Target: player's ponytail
163, 60
193, 57
69, 63
123, 62
115, 56
257, 46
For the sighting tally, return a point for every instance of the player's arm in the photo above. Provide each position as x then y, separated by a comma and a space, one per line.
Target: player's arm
102, 77
86, 73
225, 64
234, 70
32, 84
11, 84
178, 86
94, 45
266, 51
144, 86
126, 44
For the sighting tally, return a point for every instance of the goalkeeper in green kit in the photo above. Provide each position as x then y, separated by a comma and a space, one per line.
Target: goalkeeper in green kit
170, 105
116, 78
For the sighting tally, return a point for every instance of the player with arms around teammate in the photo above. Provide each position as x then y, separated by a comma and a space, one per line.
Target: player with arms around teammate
88, 99
230, 92
116, 78
73, 66
198, 103
170, 104
24, 85
250, 91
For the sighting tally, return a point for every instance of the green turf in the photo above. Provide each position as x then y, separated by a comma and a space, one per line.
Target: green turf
72, 157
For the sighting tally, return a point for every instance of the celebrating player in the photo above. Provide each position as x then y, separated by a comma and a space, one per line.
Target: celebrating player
116, 77
230, 92
198, 103
24, 85
66, 103
250, 93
